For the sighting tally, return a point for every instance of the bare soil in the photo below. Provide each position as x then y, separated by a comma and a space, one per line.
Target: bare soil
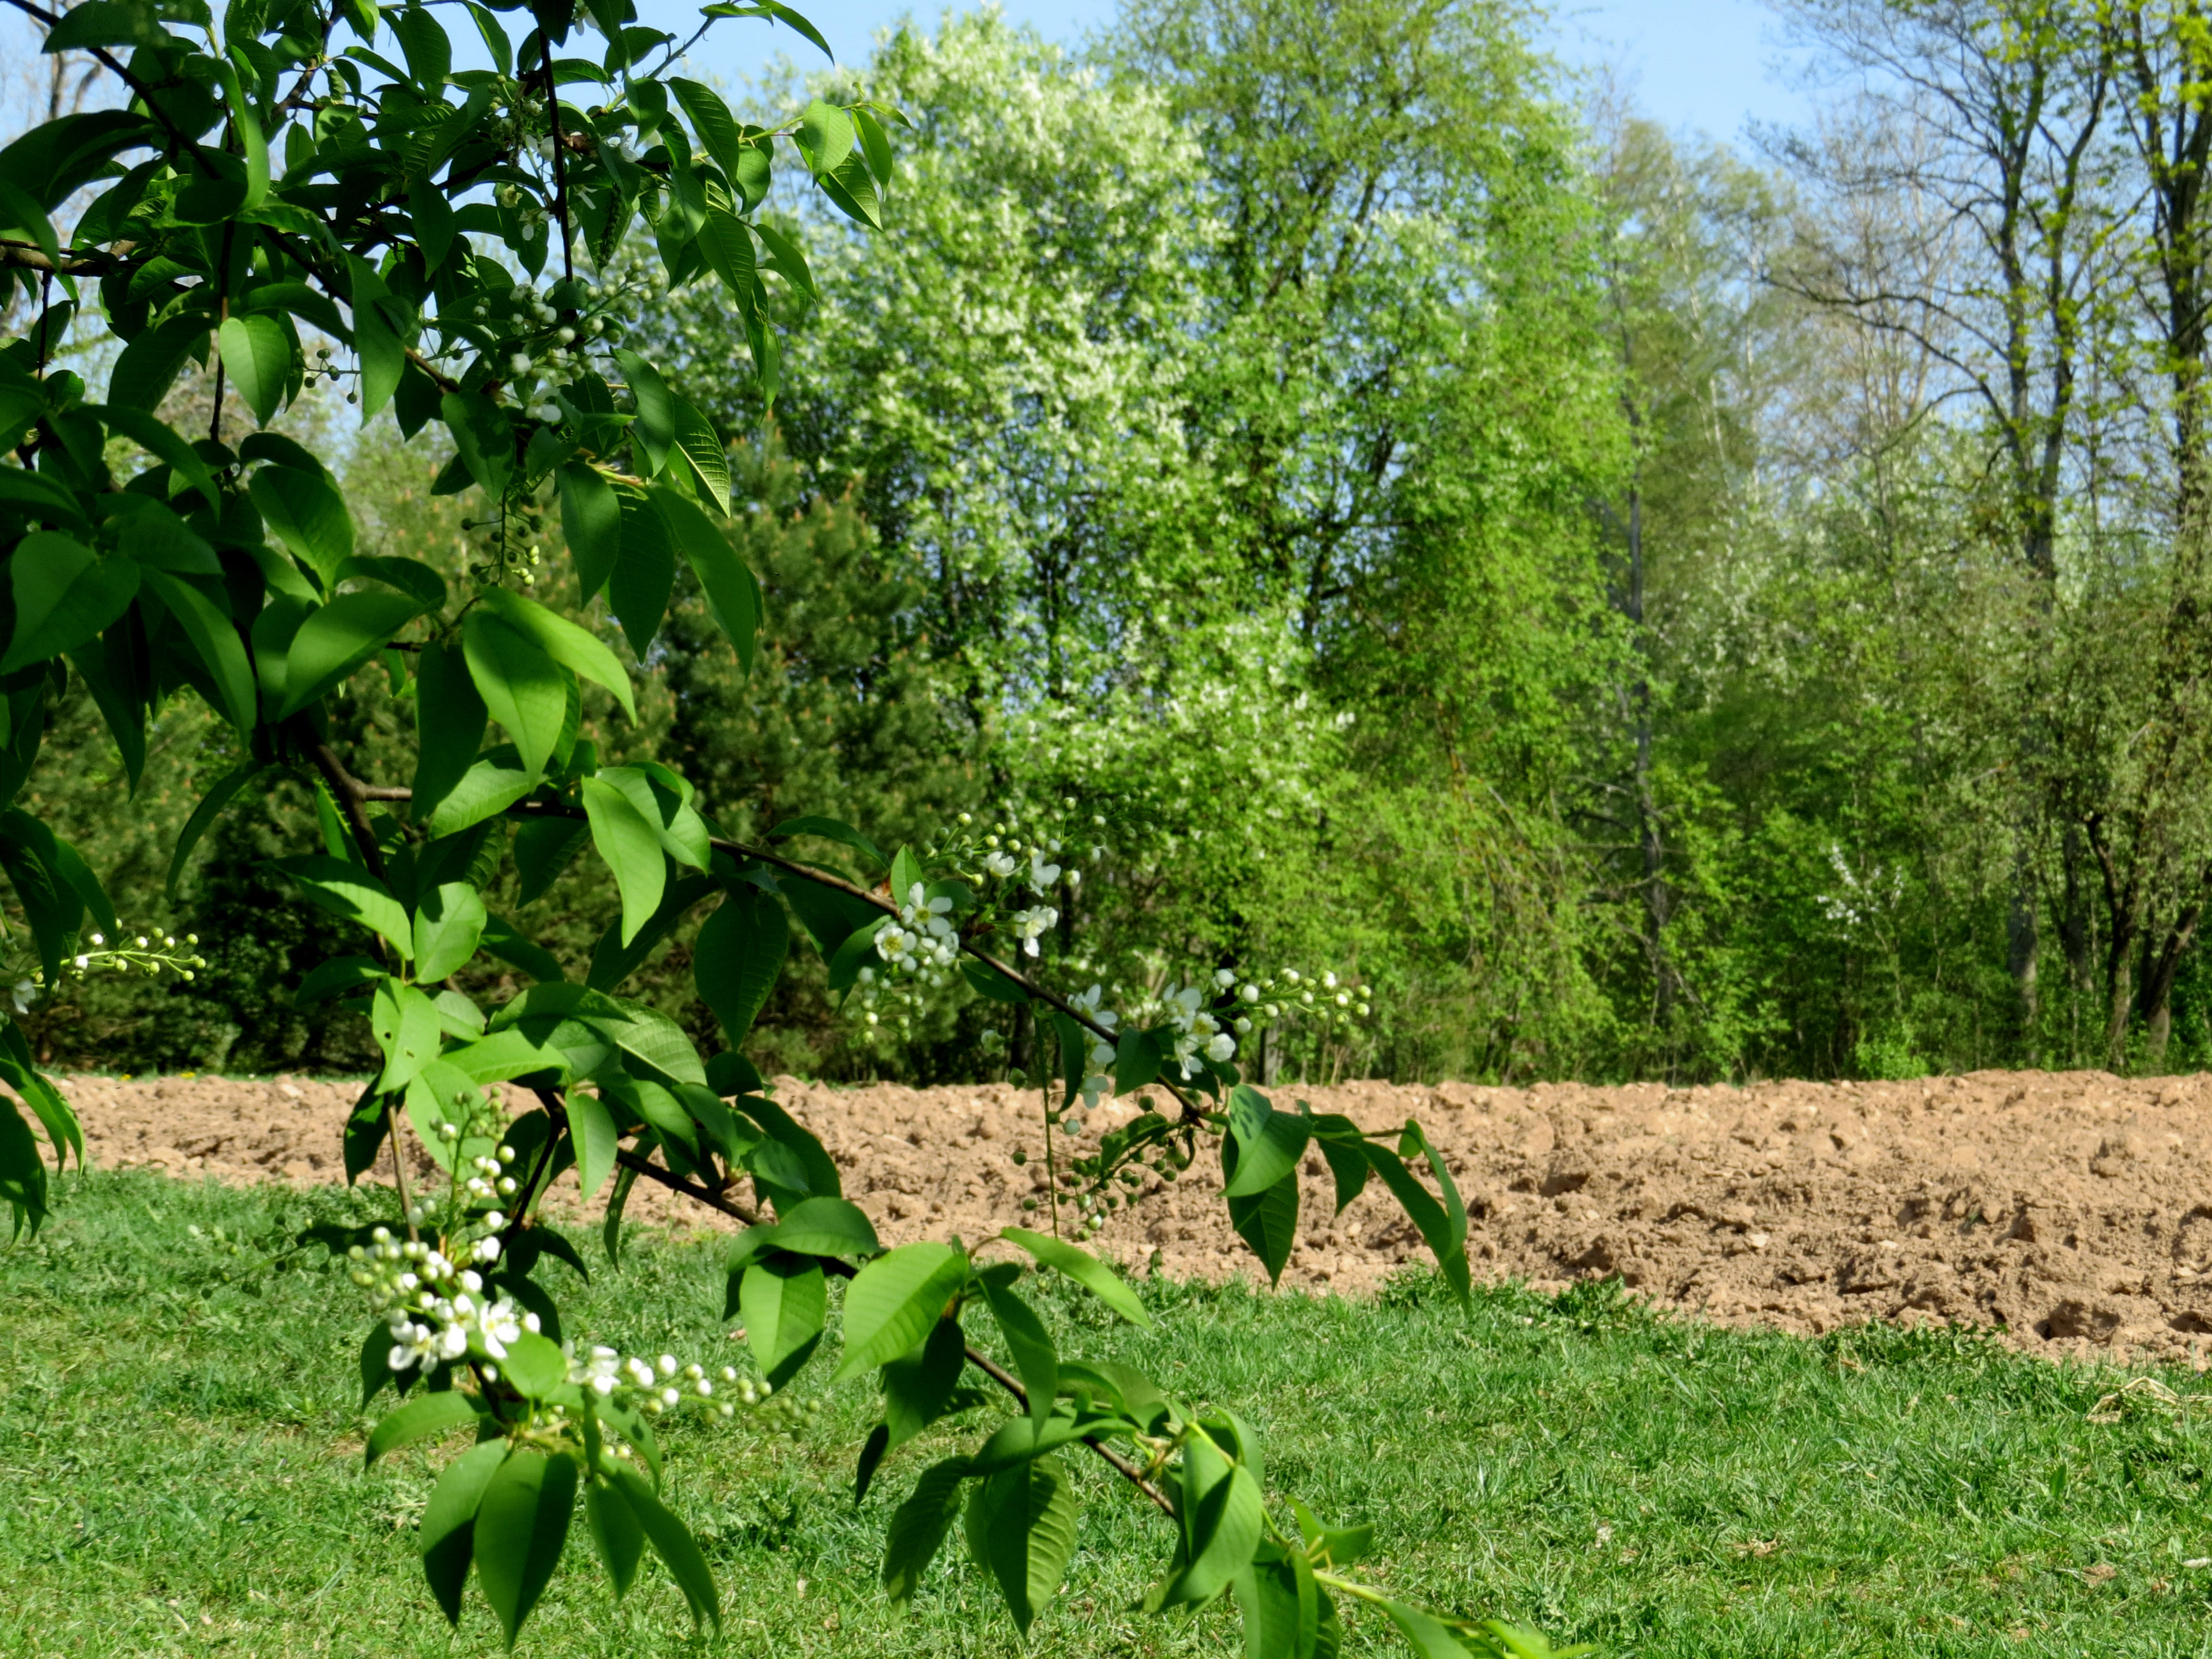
2072, 1209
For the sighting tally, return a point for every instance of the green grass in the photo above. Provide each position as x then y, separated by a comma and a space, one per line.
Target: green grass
180, 1471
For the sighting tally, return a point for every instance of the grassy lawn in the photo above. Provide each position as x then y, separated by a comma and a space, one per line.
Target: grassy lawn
179, 1472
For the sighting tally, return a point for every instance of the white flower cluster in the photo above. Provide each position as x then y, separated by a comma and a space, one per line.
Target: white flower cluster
487, 1178
437, 1312
923, 936
656, 1385
1197, 1032
1293, 993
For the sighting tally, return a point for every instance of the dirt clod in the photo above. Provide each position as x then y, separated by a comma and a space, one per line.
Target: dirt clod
2073, 1209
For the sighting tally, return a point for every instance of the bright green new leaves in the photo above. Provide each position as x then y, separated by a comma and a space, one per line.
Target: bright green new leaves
1020, 1526
732, 592
407, 1029
420, 1418
630, 842
447, 924
738, 958
783, 1300
575, 648
337, 640
64, 595
258, 357
523, 688
448, 1533
895, 1301
345, 889
522, 1527
308, 515
1085, 1269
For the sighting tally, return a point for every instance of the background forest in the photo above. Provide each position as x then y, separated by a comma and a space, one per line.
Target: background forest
1632, 609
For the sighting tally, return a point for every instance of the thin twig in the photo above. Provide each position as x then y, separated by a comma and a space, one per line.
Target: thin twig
398, 1166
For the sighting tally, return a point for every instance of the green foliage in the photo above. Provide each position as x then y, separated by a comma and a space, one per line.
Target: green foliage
236, 573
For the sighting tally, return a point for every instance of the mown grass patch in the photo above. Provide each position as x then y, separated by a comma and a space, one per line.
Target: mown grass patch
180, 1438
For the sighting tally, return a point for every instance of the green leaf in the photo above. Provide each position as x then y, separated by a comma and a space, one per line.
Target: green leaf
919, 1525
1268, 1222
534, 1365
738, 957
448, 1535
158, 439
717, 129
784, 254
1348, 1158
611, 1227
594, 1131
1021, 1525
487, 788
407, 1029
544, 848
420, 1418
631, 849
673, 1543
616, 1532
825, 1226
338, 639
1335, 1546
702, 449
1269, 1143
853, 191
65, 597
524, 689
308, 515
1450, 1241
337, 977
830, 829
575, 648
644, 574
522, 1526
895, 1301
731, 590
1434, 1223
655, 430
148, 365
503, 940
1136, 1061
858, 951
906, 875
449, 726
483, 438
215, 641
345, 889
1035, 1357
448, 922
824, 137
783, 1300
918, 1386
1085, 1269
994, 986
1222, 1512
590, 523
1281, 1607
1427, 1636
257, 358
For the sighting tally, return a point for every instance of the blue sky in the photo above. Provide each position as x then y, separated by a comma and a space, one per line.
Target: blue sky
1697, 65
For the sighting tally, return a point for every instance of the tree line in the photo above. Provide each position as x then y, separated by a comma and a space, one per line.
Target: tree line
1623, 605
